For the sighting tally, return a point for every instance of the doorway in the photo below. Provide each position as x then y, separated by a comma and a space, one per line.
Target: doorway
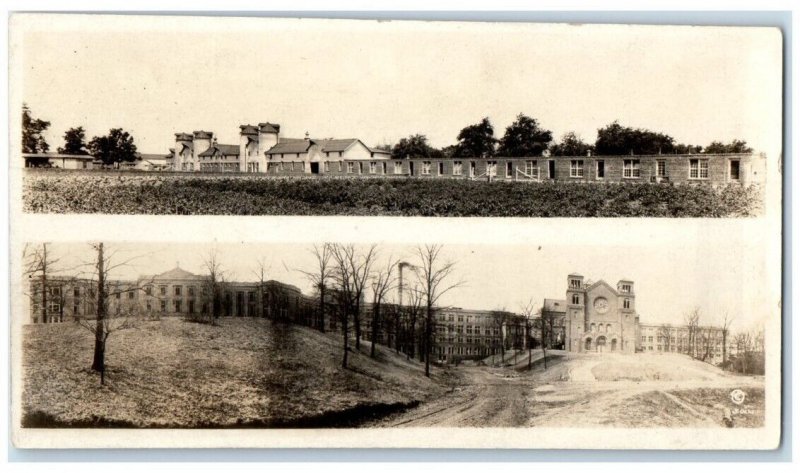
411, 167
601, 344
551, 169
314, 168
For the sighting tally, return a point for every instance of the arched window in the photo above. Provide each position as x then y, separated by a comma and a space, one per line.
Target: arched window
576, 299
593, 327
626, 304
608, 327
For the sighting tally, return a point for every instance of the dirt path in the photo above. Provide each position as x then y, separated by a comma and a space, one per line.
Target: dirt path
488, 397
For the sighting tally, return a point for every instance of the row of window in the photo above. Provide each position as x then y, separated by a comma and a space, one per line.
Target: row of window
576, 300
469, 330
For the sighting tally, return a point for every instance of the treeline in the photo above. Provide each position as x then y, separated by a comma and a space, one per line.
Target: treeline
527, 138
115, 147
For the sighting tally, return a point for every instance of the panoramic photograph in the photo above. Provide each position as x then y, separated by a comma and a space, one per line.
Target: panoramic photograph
332, 335
395, 118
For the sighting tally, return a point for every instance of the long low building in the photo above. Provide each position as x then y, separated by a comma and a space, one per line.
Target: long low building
262, 149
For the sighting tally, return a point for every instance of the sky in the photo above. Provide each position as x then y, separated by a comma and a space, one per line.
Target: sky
716, 275
381, 81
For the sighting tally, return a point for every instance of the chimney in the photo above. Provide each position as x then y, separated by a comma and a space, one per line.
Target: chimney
307, 138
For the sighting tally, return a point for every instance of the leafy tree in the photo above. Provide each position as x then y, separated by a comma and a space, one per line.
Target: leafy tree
74, 141
415, 146
524, 138
616, 139
476, 140
681, 148
116, 147
32, 129
735, 146
571, 145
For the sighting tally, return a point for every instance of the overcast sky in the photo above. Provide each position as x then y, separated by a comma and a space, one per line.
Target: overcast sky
717, 274
380, 81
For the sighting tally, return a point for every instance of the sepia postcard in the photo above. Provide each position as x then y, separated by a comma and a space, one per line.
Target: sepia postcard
294, 233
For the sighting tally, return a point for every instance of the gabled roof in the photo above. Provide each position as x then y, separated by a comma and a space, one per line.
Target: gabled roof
150, 156
379, 151
291, 147
334, 146
57, 156
226, 150
601, 282
555, 305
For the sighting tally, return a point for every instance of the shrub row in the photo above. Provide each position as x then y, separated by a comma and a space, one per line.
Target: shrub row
119, 194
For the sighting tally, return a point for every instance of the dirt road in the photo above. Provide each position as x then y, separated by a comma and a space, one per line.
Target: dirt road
587, 390
488, 397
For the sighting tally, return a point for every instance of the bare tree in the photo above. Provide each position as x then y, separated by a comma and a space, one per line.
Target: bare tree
545, 328
353, 271
343, 279
664, 333
528, 310
692, 321
213, 288
744, 346
261, 272
320, 278
383, 281
411, 314
500, 319
433, 275
39, 263
726, 326
106, 324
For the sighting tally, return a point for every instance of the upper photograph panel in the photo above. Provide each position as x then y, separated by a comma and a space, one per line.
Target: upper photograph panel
257, 116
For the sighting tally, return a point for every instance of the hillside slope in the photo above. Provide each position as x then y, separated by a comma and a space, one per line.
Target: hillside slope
242, 373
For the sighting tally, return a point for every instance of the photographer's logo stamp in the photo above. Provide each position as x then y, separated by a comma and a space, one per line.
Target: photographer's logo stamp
738, 396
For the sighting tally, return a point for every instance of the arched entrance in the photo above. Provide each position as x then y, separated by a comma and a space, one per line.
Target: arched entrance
614, 345
587, 346
601, 344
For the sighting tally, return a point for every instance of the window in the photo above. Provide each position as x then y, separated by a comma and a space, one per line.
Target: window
576, 168
426, 167
630, 169
373, 167
361, 168
626, 304
472, 166
178, 306
191, 291
440, 168
55, 291
163, 306
734, 170
509, 169
650, 339
575, 283
661, 168
601, 169
130, 295
698, 169
76, 292
457, 168
327, 166
340, 166
148, 290
191, 307
531, 169
149, 306
592, 327
644, 339
576, 299
383, 166
350, 167
626, 288
398, 168
178, 290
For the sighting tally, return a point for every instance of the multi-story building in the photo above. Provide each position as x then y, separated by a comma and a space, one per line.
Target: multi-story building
701, 342
597, 317
261, 149
173, 293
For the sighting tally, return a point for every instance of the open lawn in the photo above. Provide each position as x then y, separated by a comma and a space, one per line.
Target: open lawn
54, 191
242, 373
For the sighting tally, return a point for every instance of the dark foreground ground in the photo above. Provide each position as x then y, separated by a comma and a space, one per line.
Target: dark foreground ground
115, 192
255, 373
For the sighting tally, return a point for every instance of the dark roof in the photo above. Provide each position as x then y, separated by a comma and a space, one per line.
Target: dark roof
147, 156
184, 136
248, 129
200, 134
378, 150
290, 147
57, 155
334, 146
226, 150
268, 127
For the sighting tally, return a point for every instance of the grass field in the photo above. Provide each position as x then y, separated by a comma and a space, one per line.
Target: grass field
53, 191
243, 373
